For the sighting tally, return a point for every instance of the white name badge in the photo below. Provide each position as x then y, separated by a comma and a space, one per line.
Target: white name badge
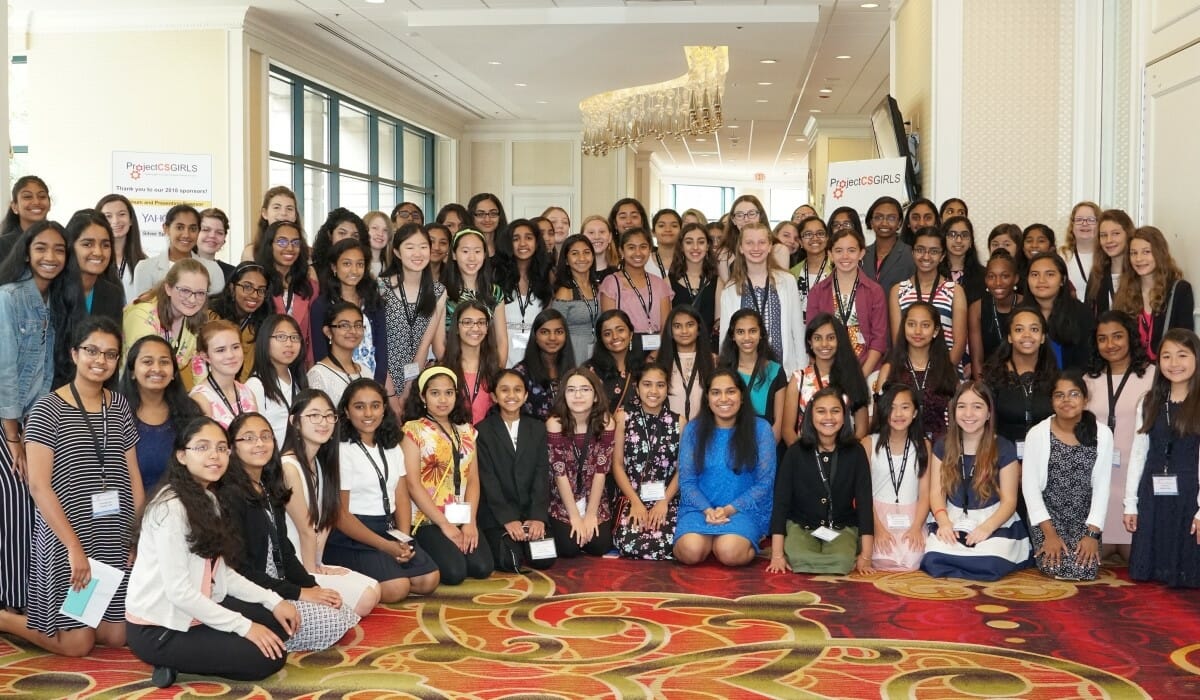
106, 503
1116, 460
542, 549
653, 491
650, 342
899, 521
965, 525
458, 513
396, 534
825, 534
519, 341
1020, 449
411, 371
1166, 485
859, 338
581, 504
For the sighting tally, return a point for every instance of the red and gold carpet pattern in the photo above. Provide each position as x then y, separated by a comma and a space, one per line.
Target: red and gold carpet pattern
609, 628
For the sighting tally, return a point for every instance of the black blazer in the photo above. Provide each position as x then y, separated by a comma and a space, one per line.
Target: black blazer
514, 483
1181, 313
800, 492
250, 518
108, 299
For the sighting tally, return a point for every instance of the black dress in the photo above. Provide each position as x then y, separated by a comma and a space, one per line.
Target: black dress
1163, 547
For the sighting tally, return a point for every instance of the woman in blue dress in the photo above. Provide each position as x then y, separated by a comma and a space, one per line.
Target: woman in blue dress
726, 476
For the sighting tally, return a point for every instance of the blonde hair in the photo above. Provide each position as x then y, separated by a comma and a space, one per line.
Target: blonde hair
1069, 241
610, 255
700, 217
162, 302
1166, 273
386, 253
737, 271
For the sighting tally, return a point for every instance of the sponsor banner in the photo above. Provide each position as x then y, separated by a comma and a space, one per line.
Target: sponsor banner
155, 182
858, 183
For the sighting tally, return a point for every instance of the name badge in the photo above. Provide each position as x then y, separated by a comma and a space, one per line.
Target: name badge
581, 504
965, 525
458, 513
825, 534
859, 338
397, 535
1020, 449
1116, 460
542, 549
653, 491
1166, 485
651, 342
106, 503
899, 521
411, 371
519, 340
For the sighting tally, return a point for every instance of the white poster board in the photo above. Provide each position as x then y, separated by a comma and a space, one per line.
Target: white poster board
858, 183
155, 182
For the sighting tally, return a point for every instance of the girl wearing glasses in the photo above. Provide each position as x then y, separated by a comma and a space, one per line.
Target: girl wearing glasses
441, 467
472, 355
278, 374
746, 210
814, 265
929, 285
1154, 292
1114, 229
221, 396
343, 331
252, 495
173, 310
181, 576
485, 214
345, 279
244, 303
1080, 245
283, 253
84, 479
181, 228
150, 383
962, 259
309, 464
1065, 480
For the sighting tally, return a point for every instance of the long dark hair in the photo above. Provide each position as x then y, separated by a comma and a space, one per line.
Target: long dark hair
708, 266
597, 417
941, 375
908, 235
971, 264
236, 484
1187, 420
668, 354
12, 220
388, 434
562, 271
209, 535
616, 207
297, 279
367, 288
880, 425
996, 372
179, 407
745, 431
855, 222
489, 356
132, 253
535, 363
322, 511
845, 372
602, 361
225, 305
1064, 327
1139, 359
426, 301
484, 279
538, 271
416, 409
763, 353
469, 222
1085, 429
80, 221
323, 241
264, 368
808, 431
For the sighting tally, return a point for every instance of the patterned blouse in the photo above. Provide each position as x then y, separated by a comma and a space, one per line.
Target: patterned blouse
437, 462
541, 395
566, 454
651, 446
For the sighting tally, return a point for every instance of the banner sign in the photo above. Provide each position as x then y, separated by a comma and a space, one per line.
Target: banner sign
858, 183
155, 182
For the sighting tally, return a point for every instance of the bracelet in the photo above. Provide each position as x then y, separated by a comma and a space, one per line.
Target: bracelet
939, 510
12, 440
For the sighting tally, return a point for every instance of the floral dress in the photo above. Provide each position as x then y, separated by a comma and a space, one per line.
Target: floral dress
541, 395
651, 455
437, 463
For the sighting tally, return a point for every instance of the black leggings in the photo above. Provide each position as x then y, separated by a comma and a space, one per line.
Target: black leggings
566, 546
455, 566
513, 556
205, 651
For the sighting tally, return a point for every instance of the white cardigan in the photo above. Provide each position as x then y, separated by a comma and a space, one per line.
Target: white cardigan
1035, 466
1137, 464
165, 584
791, 322
151, 271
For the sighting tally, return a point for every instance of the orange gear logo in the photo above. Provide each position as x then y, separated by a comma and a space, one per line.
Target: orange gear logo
839, 191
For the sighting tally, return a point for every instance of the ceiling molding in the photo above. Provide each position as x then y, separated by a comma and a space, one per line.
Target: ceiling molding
104, 19
592, 16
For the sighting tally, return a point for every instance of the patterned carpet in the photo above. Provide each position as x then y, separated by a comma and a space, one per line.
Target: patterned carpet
609, 628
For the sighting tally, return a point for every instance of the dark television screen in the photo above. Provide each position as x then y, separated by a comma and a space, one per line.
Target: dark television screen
892, 142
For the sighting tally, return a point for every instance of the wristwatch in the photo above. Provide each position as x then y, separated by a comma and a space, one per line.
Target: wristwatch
1094, 534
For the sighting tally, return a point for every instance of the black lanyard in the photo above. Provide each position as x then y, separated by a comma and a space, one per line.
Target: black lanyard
845, 310
1170, 442
1113, 397
937, 278
805, 285
593, 304
97, 445
580, 462
523, 304
996, 322
455, 450
897, 481
647, 302
345, 372
760, 306
827, 482
121, 268
410, 318
661, 268
687, 386
236, 407
1079, 264
1027, 390
383, 475
273, 533
920, 383
694, 292
474, 391
966, 489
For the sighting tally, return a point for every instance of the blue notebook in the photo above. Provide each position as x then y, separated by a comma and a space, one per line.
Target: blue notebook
77, 600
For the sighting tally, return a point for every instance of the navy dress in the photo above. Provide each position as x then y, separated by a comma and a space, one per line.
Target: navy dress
1163, 547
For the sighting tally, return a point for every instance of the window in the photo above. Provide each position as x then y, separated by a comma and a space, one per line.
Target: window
714, 200
18, 117
336, 152
784, 202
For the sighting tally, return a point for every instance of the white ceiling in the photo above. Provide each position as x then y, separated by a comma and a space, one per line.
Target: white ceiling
470, 55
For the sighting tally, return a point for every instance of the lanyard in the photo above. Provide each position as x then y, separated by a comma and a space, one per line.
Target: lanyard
383, 475
272, 532
1113, 397
287, 301
1027, 390
937, 278
410, 318
846, 309
647, 302
338, 363
1079, 264
236, 407
966, 492
523, 304
760, 305
1170, 443
580, 461
474, 391
897, 480
661, 268
996, 321
99, 447
456, 452
827, 482
593, 304
121, 269
921, 382
687, 386
694, 291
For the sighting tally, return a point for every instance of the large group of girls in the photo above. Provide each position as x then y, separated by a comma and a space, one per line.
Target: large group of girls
267, 450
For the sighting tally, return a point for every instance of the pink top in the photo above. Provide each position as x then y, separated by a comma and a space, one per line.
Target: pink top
300, 309
479, 394
866, 322
642, 306
243, 398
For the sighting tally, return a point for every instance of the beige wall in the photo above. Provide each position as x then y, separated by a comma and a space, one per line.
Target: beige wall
603, 181
529, 167
913, 75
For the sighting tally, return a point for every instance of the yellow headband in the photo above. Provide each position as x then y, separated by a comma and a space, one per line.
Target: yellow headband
467, 232
433, 372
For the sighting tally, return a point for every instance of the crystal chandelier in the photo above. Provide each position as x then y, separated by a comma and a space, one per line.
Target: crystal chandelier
689, 105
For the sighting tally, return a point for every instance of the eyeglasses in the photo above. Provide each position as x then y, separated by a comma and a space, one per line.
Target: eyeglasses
957, 235
810, 235
922, 251
286, 337
473, 323
250, 438
1073, 394
843, 224
1084, 220
750, 215
586, 389
192, 294
252, 291
348, 326
204, 448
319, 418
493, 214
405, 215
886, 218
285, 243
93, 352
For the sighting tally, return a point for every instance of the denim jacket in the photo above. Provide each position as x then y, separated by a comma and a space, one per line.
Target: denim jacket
26, 348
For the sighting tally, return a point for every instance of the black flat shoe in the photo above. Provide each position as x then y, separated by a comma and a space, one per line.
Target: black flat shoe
163, 677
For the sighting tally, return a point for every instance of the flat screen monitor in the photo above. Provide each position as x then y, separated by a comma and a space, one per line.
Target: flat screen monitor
892, 142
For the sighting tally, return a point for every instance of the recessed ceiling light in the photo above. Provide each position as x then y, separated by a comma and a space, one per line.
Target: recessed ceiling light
761, 101
520, 85
814, 111
733, 126
493, 63
768, 61
869, 5
375, 2
700, 139
842, 57
825, 91
543, 102
731, 160
764, 83
800, 139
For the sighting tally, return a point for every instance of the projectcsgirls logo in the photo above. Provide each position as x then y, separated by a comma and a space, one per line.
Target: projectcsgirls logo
136, 169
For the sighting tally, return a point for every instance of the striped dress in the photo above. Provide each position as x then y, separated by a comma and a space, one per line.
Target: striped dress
942, 299
76, 477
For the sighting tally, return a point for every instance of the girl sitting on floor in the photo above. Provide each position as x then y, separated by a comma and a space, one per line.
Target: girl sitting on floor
899, 455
